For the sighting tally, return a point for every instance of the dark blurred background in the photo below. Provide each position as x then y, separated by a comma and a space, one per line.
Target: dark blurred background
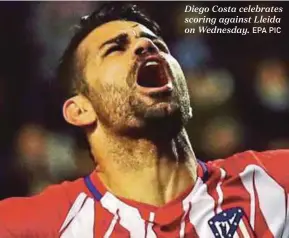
239, 88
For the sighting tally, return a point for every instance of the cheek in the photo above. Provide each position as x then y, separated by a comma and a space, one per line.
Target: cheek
114, 71
107, 81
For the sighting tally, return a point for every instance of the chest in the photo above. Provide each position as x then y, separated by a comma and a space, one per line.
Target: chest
249, 205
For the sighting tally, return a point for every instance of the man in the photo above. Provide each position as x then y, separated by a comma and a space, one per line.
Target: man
129, 95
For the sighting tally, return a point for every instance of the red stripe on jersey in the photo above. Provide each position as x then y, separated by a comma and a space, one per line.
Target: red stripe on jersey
240, 234
174, 229
169, 215
119, 231
212, 183
190, 231
170, 230
236, 195
102, 220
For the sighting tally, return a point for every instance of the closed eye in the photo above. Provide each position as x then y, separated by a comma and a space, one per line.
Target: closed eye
112, 49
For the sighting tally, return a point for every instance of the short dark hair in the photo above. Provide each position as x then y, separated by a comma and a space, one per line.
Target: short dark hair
69, 73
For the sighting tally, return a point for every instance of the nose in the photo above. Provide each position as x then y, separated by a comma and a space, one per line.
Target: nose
144, 46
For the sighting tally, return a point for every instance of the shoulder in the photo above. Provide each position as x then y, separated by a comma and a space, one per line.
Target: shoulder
274, 163
40, 214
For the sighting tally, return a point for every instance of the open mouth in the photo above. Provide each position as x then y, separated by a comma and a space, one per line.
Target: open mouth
152, 75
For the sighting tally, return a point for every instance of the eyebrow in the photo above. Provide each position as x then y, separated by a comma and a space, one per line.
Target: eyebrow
120, 37
124, 37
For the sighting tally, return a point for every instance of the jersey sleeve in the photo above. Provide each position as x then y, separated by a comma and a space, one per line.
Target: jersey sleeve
274, 162
37, 216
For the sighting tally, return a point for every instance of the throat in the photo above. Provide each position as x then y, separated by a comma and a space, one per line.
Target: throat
162, 184
144, 171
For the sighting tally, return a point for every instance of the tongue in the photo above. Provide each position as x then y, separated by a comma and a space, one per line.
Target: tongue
151, 76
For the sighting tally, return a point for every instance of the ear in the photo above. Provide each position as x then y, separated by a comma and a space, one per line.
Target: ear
78, 111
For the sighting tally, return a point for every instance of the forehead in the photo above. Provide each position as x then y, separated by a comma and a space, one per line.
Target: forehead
109, 30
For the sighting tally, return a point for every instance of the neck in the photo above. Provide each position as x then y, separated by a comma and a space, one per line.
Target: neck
142, 170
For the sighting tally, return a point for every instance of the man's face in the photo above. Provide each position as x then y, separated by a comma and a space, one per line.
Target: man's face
135, 85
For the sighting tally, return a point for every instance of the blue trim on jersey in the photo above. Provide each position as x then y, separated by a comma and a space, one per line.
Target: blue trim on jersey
96, 194
205, 170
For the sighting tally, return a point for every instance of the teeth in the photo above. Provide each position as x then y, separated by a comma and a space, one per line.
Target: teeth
151, 63
170, 85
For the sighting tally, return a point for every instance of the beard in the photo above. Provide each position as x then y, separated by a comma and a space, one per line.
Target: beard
163, 119
122, 110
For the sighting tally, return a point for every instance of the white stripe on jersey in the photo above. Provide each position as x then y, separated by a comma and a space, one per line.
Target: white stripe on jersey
220, 192
272, 204
183, 226
83, 223
150, 232
129, 217
111, 226
272, 199
221, 196
73, 210
186, 209
236, 235
202, 208
243, 229
247, 180
286, 225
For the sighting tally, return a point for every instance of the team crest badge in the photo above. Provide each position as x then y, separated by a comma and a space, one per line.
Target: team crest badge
225, 223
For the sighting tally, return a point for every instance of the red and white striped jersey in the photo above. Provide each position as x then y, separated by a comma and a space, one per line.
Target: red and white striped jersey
245, 195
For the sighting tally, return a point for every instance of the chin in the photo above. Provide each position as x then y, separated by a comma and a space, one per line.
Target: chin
161, 123
163, 120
